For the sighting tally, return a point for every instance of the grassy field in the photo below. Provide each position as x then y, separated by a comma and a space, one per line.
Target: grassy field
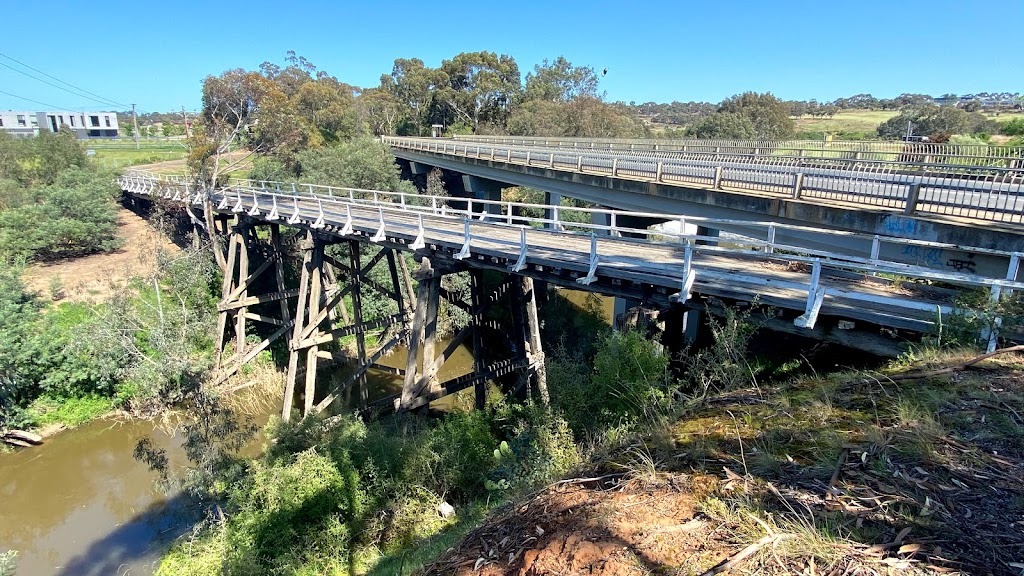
845, 121
867, 120
118, 153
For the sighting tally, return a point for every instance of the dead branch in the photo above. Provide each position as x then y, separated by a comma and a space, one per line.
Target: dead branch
957, 367
743, 554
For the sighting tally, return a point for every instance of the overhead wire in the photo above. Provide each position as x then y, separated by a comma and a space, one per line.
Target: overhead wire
99, 99
62, 81
50, 106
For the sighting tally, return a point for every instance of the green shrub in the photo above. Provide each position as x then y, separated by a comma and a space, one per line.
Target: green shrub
629, 382
1014, 127
73, 216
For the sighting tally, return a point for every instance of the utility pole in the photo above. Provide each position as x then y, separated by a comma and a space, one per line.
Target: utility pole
184, 117
135, 123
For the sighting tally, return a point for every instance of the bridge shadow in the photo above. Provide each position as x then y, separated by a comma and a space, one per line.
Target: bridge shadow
137, 545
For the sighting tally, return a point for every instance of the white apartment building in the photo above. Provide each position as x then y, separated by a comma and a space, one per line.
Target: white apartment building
85, 125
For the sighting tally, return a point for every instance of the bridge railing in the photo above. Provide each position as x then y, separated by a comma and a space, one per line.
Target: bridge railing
912, 152
993, 194
472, 227
284, 195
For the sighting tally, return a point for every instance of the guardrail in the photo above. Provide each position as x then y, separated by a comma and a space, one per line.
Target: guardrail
955, 155
420, 217
990, 194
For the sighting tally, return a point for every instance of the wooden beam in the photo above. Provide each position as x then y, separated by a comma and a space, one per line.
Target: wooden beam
252, 353
252, 300
300, 314
476, 287
536, 354
338, 333
243, 268
275, 240
357, 313
316, 277
410, 388
454, 385
227, 286
265, 319
407, 279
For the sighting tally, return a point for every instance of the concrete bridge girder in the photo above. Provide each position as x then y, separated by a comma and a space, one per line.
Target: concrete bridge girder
643, 196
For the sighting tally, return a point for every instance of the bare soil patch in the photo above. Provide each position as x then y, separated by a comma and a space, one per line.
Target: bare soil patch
609, 528
93, 278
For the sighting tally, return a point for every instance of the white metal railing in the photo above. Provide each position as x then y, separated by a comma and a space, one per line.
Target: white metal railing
990, 194
419, 216
912, 152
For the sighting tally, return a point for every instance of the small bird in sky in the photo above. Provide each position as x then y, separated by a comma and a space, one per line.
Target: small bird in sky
604, 71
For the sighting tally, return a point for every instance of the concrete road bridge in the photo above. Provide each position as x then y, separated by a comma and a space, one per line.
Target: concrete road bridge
832, 296
963, 208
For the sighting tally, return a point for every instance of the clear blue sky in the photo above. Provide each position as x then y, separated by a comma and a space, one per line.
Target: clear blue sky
157, 53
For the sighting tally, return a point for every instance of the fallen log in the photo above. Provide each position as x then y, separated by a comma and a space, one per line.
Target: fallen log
21, 438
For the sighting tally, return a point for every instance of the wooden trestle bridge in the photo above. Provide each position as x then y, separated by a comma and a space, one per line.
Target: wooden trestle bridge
831, 296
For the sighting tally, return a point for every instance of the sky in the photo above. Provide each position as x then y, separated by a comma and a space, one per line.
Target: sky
156, 54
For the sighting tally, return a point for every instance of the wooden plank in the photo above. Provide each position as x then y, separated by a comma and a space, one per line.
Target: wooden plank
253, 300
226, 288
338, 333
264, 319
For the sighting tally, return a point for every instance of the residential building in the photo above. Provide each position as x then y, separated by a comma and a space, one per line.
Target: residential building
85, 125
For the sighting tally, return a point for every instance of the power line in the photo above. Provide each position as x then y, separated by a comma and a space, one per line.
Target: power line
50, 106
105, 103
61, 81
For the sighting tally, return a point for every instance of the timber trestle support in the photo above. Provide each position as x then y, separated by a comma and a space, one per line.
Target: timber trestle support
330, 304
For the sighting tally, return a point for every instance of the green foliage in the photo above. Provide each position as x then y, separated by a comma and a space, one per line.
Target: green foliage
560, 81
51, 154
329, 495
75, 215
581, 117
768, 115
723, 365
628, 383
8, 562
937, 122
362, 163
723, 125
69, 411
161, 330
1014, 127
976, 315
